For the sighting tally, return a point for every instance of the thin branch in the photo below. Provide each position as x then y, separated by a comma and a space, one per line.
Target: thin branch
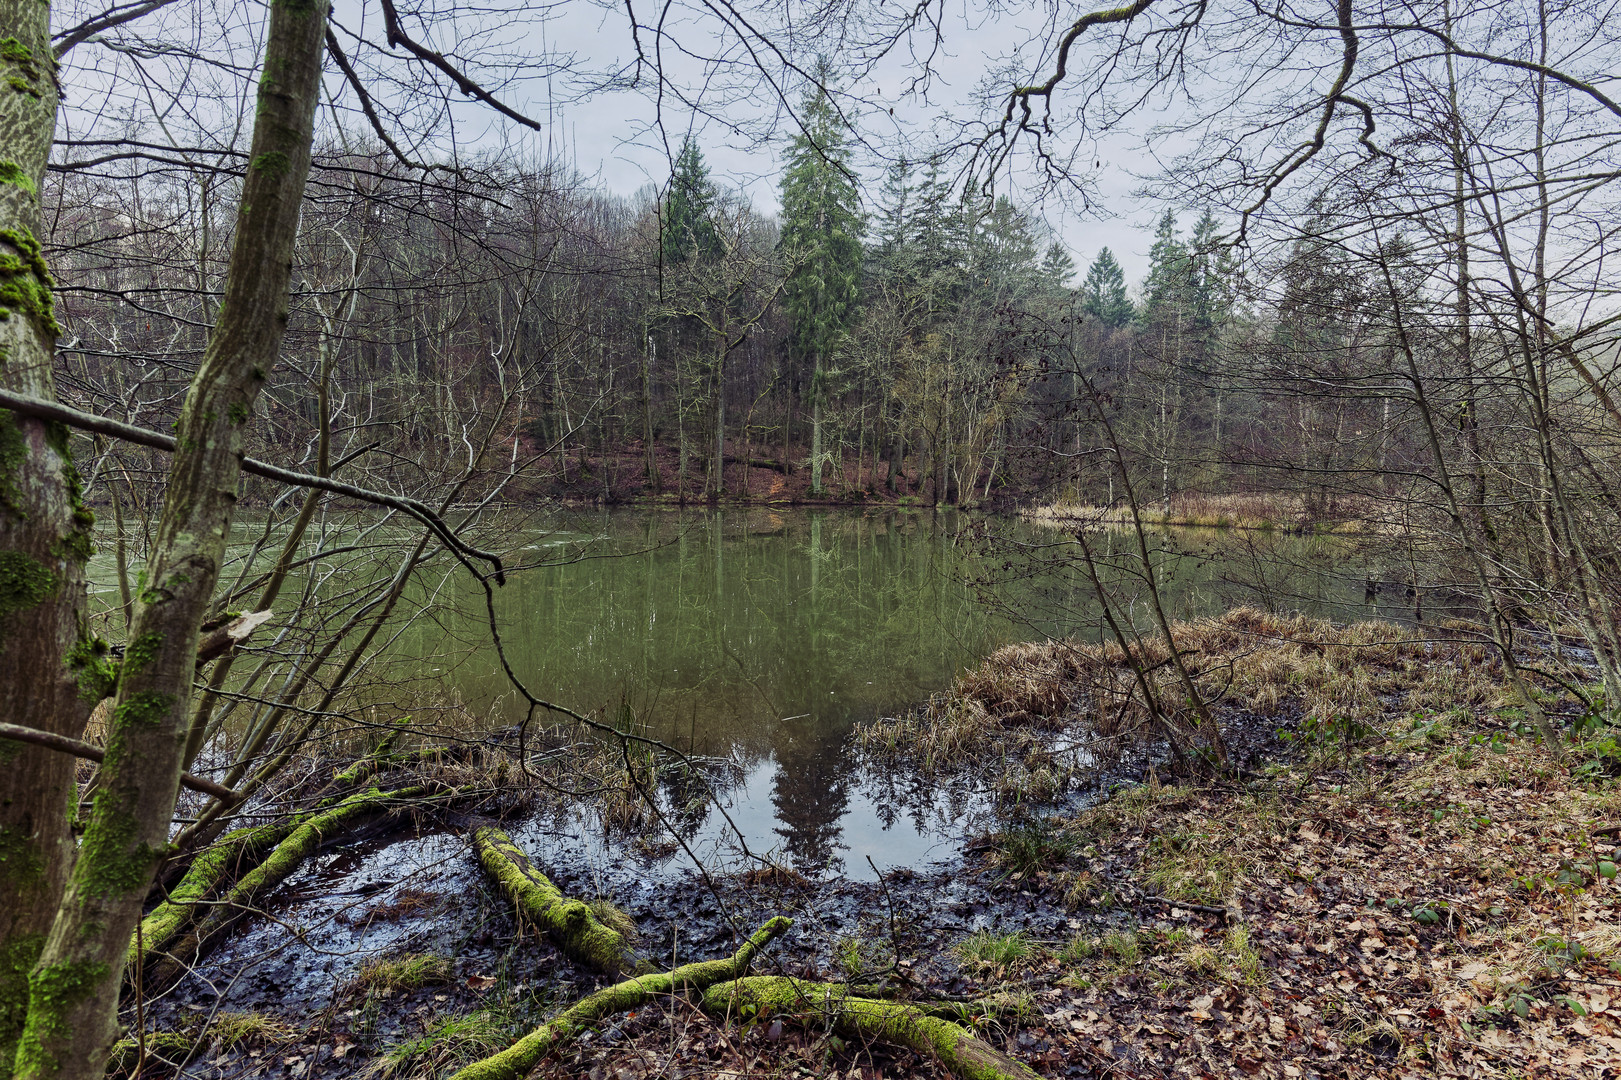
50, 410
79, 748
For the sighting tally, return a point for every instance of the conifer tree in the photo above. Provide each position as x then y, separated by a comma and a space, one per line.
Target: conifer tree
689, 229
821, 236
1167, 289
1103, 293
1057, 268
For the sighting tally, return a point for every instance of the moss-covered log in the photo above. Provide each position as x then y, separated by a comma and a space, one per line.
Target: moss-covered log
166, 969
206, 876
569, 923
953, 1045
517, 1060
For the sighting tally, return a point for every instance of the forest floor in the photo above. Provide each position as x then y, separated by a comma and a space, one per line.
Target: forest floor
1388, 885
1437, 900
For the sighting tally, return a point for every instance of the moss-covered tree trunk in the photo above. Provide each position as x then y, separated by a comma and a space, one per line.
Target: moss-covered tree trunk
568, 922
44, 537
73, 991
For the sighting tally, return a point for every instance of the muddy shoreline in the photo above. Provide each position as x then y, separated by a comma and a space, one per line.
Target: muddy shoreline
392, 955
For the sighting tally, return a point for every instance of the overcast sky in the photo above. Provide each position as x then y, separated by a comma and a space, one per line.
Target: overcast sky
612, 136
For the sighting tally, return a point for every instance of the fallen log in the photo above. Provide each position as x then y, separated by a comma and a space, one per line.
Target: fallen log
305, 839
134, 1056
959, 1050
520, 1058
206, 875
569, 923
758, 463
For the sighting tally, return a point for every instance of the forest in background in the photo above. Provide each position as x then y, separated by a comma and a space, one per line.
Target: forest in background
1394, 300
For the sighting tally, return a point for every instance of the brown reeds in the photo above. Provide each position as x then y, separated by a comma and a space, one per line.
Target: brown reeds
1256, 661
1205, 510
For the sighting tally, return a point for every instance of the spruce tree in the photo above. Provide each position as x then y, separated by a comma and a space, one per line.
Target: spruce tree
821, 236
689, 230
1057, 268
1103, 293
1167, 290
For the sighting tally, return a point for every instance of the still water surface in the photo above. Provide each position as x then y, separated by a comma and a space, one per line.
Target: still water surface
766, 636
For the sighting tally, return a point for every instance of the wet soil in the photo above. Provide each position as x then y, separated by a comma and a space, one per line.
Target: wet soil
303, 962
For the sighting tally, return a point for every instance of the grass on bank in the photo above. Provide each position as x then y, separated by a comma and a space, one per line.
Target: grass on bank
1338, 677
1196, 509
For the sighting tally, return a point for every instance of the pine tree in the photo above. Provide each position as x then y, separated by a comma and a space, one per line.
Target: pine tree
1103, 293
821, 235
689, 230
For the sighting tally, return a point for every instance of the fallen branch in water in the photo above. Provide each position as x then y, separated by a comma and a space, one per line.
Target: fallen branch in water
519, 1059
956, 1048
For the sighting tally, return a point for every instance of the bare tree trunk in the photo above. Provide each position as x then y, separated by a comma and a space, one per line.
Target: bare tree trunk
73, 998
45, 654
816, 429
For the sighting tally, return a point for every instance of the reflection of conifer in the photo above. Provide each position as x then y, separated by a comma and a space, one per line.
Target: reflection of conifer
811, 792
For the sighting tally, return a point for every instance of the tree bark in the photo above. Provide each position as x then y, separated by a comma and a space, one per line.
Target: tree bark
46, 656
73, 990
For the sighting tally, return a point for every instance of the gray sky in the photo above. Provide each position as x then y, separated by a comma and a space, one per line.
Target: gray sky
611, 135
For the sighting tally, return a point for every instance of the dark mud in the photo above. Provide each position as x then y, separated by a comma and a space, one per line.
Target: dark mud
304, 961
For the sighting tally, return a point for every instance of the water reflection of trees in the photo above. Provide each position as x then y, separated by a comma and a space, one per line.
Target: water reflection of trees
811, 791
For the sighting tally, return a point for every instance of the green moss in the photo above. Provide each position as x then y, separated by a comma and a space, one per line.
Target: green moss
18, 955
75, 544
25, 582
28, 76
273, 164
206, 874
519, 1059
567, 922
142, 651
146, 707
13, 457
25, 281
112, 859
12, 173
95, 673
166, 1044
54, 991
239, 413
20, 862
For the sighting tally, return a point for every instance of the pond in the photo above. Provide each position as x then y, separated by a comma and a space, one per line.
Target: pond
765, 636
